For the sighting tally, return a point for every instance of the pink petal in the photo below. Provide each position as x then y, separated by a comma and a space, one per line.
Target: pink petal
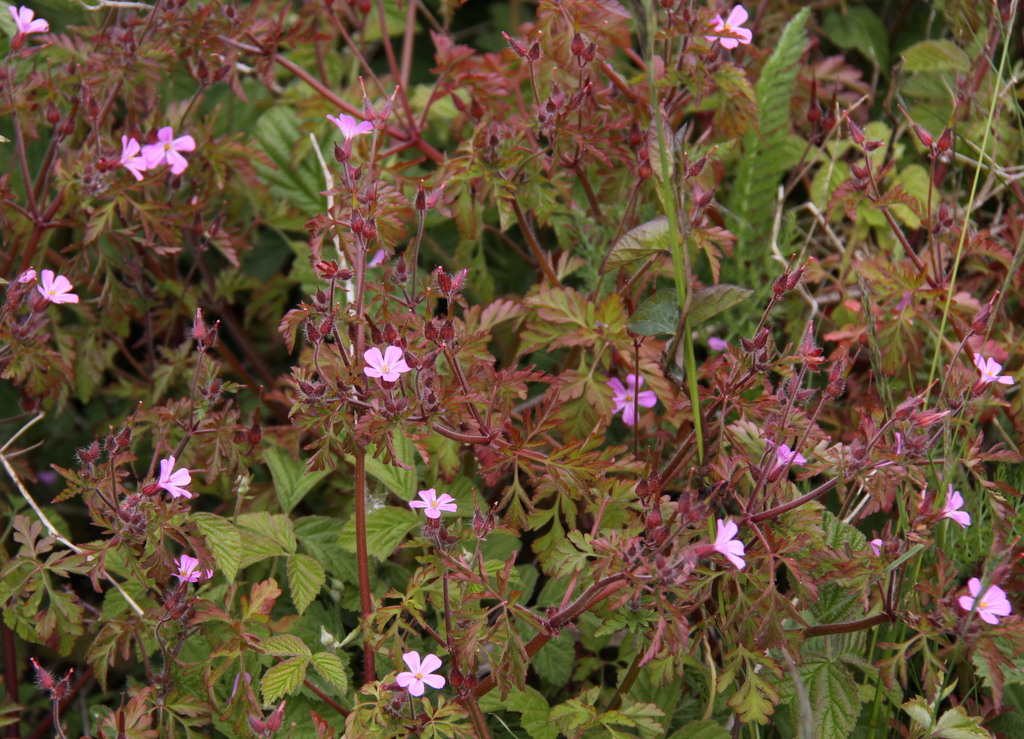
616, 385
737, 17
647, 399
178, 163
184, 143
745, 36
430, 663
412, 661
729, 43
974, 586
434, 681
404, 679
416, 688
165, 135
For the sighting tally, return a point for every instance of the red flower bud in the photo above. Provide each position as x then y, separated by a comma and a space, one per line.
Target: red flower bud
945, 142
855, 133
517, 47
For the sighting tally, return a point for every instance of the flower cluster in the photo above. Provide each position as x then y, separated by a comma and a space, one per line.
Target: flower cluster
138, 159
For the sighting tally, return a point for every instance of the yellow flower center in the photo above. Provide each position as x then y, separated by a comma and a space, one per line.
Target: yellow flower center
385, 369
167, 147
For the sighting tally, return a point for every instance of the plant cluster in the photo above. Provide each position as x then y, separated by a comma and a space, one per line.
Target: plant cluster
632, 372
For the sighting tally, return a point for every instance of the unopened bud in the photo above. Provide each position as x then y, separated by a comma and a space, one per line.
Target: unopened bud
578, 45
984, 316
517, 47
945, 141
534, 53
276, 718
855, 133
52, 114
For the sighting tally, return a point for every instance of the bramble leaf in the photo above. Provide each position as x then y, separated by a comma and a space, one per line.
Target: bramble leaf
283, 678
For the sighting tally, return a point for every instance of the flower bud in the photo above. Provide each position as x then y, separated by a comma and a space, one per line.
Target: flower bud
635, 137
517, 47
52, 114
256, 724
945, 142
534, 53
984, 316
275, 719
369, 228
855, 133
578, 45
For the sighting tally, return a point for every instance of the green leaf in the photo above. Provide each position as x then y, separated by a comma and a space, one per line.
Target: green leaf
701, 730
291, 481
223, 540
285, 645
283, 678
956, 724
305, 578
936, 56
299, 182
556, 659
637, 243
8, 26
919, 711
385, 529
401, 482
531, 704
331, 669
278, 528
255, 548
859, 29
834, 697
320, 535
660, 313
764, 153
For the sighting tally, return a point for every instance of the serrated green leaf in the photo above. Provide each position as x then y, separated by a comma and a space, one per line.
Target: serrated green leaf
223, 540
291, 481
637, 243
402, 482
659, 314
299, 182
531, 704
278, 528
936, 56
285, 645
255, 548
283, 678
919, 711
956, 724
385, 529
305, 578
556, 659
701, 730
331, 669
320, 535
834, 697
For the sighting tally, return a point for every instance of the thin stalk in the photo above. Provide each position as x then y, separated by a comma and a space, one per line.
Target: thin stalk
531, 239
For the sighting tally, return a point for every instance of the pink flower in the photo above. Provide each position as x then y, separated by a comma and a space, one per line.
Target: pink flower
377, 259
172, 482
784, 455
876, 547
623, 397
388, 366
57, 289
725, 543
990, 370
167, 150
716, 344
187, 571
130, 158
954, 502
349, 129
23, 19
29, 275
732, 24
434, 505
989, 606
419, 673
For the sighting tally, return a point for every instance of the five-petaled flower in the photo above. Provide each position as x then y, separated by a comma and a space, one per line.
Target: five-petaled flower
990, 370
187, 569
23, 20
784, 455
388, 366
57, 288
348, 126
131, 158
732, 24
419, 673
989, 606
954, 502
432, 504
626, 397
726, 543
167, 150
172, 480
